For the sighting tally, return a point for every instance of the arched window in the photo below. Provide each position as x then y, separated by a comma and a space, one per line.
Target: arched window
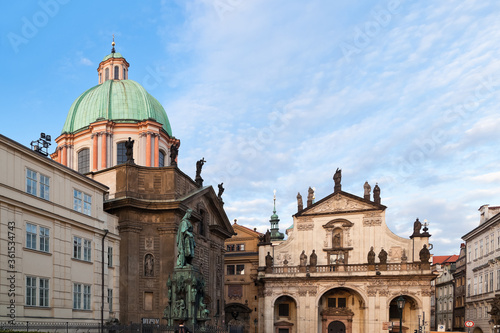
161, 159
117, 73
106, 74
124, 77
84, 160
121, 153
100, 78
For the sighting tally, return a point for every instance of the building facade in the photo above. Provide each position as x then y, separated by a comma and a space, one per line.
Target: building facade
53, 232
444, 266
241, 264
483, 271
342, 270
460, 290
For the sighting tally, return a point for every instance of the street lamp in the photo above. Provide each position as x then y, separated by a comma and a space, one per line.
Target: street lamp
401, 304
255, 324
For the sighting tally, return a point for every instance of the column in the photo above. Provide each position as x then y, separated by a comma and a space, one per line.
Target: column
148, 149
64, 160
157, 151
94, 152
104, 150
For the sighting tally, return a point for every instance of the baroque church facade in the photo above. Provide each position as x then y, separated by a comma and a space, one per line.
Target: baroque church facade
342, 270
118, 134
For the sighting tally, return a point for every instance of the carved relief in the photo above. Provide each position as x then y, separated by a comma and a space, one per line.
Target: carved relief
305, 226
372, 292
149, 243
372, 219
340, 203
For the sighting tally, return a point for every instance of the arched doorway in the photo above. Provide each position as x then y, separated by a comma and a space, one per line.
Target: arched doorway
409, 314
285, 315
336, 327
341, 310
238, 317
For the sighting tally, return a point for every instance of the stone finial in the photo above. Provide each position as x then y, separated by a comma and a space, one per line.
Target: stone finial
376, 194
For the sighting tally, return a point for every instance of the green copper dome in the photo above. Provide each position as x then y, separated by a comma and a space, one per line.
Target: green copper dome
113, 55
122, 101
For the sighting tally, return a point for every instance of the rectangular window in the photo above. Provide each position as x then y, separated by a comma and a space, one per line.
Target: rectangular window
44, 292
31, 236
240, 269
77, 200
491, 281
498, 279
332, 302
31, 291
31, 180
77, 296
86, 297
230, 269
87, 204
475, 285
110, 256
110, 299
284, 310
87, 250
77, 248
487, 244
486, 282
480, 289
44, 239
481, 248
475, 251
44, 187
492, 240
342, 302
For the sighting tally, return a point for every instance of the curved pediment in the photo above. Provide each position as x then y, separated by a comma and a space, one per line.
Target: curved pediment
335, 223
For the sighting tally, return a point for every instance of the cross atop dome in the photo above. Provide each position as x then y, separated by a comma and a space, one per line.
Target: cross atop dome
113, 66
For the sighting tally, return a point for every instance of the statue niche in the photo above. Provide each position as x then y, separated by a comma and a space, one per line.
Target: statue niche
337, 238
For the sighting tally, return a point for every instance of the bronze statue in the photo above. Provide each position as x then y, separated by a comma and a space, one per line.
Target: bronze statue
303, 258
300, 204
129, 145
371, 256
424, 254
382, 256
174, 151
313, 258
185, 241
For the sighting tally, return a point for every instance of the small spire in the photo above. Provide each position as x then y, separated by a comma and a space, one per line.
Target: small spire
113, 45
274, 210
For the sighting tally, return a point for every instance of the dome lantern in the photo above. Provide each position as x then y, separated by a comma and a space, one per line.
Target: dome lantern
113, 66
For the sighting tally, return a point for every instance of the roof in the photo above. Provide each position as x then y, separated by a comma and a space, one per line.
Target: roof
440, 260
124, 101
112, 55
250, 230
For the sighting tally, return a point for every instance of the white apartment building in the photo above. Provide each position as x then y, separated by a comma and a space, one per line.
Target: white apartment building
483, 269
52, 228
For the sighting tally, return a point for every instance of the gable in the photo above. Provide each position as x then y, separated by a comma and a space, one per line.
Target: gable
341, 202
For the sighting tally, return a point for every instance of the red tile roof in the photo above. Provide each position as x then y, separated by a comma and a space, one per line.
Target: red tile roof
444, 259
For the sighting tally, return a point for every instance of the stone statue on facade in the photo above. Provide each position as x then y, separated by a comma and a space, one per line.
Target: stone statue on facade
300, 204
424, 254
371, 256
269, 260
174, 151
129, 145
310, 196
337, 177
376, 194
417, 225
221, 190
185, 241
199, 166
336, 240
382, 256
367, 189
313, 258
149, 265
303, 258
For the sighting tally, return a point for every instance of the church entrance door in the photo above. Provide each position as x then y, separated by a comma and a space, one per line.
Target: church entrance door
336, 327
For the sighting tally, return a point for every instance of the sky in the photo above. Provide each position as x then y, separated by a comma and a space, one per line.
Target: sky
278, 94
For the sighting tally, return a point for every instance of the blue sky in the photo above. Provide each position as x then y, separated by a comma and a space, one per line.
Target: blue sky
278, 94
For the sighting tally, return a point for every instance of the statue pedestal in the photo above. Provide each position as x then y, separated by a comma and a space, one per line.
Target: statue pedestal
186, 293
371, 267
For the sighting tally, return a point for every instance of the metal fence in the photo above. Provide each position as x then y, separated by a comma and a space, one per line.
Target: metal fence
95, 327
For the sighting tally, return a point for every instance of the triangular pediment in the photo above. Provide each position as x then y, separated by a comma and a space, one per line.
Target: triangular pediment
341, 202
244, 232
